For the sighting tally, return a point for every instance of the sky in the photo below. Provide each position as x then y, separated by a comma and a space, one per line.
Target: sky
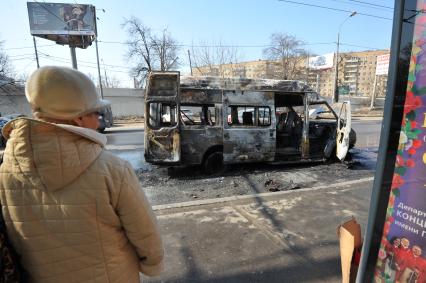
246, 24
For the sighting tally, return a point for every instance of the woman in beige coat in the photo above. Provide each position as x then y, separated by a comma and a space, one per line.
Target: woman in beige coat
74, 212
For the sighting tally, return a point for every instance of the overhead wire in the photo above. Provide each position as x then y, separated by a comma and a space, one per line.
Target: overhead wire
334, 9
88, 62
85, 63
26, 47
365, 4
371, 4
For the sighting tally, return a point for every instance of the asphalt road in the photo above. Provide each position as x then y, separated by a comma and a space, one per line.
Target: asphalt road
368, 132
167, 186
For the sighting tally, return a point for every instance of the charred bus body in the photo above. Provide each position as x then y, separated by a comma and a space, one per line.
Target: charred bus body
214, 121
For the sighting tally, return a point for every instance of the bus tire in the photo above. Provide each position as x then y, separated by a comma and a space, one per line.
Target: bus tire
213, 164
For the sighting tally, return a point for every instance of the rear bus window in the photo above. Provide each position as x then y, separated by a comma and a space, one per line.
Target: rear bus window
162, 114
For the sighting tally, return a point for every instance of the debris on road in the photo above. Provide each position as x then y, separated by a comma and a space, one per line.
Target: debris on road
275, 186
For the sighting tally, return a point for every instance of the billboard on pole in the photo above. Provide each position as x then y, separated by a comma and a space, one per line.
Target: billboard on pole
382, 65
321, 62
61, 19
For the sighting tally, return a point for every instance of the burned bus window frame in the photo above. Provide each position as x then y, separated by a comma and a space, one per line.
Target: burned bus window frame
204, 110
157, 118
255, 118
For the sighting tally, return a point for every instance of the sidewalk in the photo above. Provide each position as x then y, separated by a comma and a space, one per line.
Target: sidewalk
273, 237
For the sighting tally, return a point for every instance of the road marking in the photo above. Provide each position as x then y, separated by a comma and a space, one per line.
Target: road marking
253, 196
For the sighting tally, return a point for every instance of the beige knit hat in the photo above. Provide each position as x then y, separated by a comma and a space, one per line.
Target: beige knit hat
62, 93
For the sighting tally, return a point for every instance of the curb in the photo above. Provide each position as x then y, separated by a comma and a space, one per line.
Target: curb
251, 197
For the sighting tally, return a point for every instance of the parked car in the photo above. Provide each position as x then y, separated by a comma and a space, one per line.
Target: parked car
3, 122
106, 119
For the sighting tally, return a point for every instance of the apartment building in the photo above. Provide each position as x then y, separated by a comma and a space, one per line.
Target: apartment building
357, 73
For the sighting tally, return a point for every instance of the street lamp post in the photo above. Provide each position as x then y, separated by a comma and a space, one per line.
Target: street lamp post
336, 70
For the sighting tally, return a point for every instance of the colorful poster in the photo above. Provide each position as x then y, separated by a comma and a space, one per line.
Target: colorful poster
61, 19
402, 254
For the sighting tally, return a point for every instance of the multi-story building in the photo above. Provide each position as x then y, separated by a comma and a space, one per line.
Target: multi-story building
357, 73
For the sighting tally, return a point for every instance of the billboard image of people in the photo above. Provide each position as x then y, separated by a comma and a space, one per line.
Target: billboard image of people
61, 19
402, 253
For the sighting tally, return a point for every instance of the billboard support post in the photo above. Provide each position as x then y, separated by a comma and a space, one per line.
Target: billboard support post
73, 57
36, 53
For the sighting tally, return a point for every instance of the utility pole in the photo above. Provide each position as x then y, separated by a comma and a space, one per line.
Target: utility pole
190, 63
373, 95
317, 85
36, 53
336, 70
106, 77
307, 69
97, 54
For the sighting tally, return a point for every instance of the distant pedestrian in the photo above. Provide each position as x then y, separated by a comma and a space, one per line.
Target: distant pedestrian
73, 211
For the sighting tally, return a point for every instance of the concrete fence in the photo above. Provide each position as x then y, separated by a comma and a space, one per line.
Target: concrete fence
124, 102
128, 102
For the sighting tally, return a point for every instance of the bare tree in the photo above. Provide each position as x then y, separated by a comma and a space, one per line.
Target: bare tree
165, 49
5, 65
109, 81
149, 51
215, 59
289, 52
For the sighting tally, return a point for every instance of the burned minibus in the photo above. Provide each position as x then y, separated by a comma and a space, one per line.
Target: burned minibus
213, 121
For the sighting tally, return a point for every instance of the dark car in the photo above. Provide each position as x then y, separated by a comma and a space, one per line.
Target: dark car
106, 119
3, 122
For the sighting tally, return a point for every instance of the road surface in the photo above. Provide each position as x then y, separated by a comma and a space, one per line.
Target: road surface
166, 186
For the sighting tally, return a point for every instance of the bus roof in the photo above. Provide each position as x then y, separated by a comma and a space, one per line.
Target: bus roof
199, 82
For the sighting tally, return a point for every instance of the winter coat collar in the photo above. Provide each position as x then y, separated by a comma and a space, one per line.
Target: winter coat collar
86, 133
52, 156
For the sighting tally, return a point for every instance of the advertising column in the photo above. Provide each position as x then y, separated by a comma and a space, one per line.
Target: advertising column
395, 242
403, 246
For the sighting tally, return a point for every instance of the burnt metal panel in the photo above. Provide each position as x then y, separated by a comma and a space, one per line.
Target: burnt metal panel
162, 84
196, 140
162, 147
247, 145
197, 96
243, 84
249, 98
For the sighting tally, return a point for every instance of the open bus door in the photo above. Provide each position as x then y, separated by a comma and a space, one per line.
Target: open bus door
343, 129
162, 138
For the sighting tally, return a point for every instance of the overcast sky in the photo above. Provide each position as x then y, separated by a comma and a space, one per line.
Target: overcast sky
247, 24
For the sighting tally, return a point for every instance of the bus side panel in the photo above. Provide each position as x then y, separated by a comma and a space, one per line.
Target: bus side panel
196, 141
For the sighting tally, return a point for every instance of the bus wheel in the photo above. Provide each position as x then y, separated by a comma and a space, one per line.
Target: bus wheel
213, 164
